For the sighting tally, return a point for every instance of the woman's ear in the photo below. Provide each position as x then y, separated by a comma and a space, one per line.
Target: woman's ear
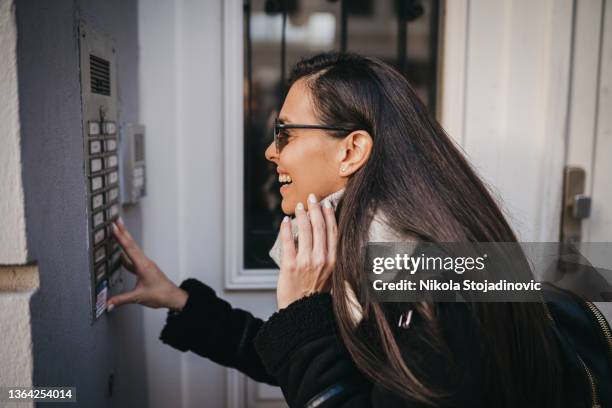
355, 151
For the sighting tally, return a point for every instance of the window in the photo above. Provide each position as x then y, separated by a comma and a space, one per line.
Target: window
402, 33
275, 35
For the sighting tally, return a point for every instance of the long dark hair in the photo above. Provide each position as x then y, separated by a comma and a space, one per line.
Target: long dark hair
422, 183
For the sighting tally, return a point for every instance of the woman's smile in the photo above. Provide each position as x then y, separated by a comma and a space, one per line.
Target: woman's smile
284, 188
285, 179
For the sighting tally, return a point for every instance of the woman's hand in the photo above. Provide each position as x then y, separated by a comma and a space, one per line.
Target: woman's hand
308, 270
153, 288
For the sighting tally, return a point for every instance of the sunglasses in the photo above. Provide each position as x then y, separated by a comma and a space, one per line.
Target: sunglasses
280, 137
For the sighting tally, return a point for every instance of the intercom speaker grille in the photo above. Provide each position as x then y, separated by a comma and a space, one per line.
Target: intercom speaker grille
100, 75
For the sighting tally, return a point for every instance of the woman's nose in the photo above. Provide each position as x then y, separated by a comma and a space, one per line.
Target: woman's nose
270, 152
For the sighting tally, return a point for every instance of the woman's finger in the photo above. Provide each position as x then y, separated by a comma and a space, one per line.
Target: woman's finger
332, 234
129, 245
123, 298
319, 235
287, 245
304, 235
127, 263
121, 225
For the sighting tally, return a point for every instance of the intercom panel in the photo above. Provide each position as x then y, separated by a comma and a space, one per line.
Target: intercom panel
101, 164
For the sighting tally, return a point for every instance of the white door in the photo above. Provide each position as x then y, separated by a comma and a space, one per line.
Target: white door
527, 90
589, 136
590, 115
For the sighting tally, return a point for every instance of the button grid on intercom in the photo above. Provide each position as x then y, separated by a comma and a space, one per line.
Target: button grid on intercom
104, 193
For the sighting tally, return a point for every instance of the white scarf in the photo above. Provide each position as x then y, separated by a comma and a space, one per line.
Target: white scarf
380, 231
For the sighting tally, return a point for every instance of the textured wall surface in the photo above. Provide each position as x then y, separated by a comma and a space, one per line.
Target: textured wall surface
17, 283
68, 349
12, 221
16, 350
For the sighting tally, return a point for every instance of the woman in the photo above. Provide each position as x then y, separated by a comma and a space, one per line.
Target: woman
353, 130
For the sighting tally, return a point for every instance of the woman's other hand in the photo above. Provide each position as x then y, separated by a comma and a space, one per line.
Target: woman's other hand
308, 269
153, 288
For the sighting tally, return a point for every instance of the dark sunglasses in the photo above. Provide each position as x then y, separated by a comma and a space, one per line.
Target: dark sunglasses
280, 139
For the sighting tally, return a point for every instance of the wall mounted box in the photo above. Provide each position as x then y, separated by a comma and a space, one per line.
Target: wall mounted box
133, 169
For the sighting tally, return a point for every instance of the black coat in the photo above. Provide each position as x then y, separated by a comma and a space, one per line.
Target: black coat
299, 349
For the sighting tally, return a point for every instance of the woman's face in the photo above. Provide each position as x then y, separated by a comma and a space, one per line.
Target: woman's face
310, 158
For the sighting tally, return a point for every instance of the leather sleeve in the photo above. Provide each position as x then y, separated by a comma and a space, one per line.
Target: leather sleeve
210, 327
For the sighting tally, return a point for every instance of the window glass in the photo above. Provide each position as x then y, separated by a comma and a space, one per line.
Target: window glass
401, 33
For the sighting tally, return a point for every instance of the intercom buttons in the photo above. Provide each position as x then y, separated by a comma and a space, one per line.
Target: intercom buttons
95, 165
99, 254
114, 245
100, 272
98, 219
97, 183
115, 260
95, 147
99, 236
112, 178
111, 161
97, 201
110, 145
112, 194
93, 128
109, 128
113, 211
